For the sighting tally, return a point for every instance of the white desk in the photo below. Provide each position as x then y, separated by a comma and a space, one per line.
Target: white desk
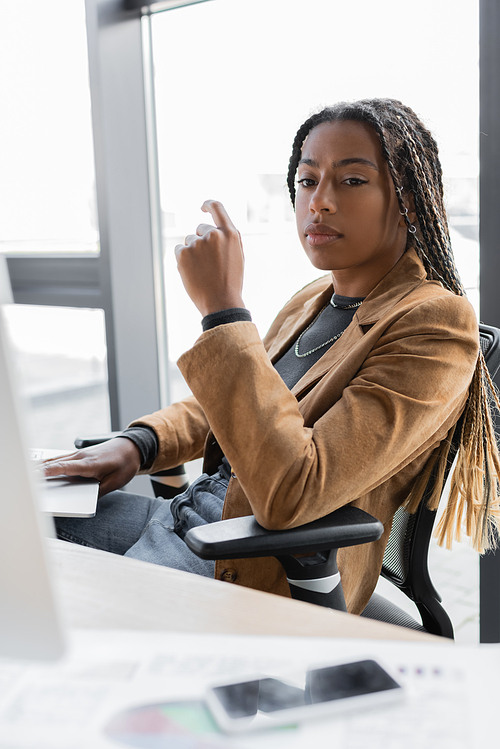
106, 591
116, 683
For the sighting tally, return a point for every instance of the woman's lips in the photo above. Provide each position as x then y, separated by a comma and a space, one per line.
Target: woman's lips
321, 234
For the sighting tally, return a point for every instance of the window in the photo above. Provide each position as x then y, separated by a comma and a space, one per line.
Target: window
60, 354
47, 184
48, 217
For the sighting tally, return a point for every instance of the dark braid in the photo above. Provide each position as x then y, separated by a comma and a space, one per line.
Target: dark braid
412, 158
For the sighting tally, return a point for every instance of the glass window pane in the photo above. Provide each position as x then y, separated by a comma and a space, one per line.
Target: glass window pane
47, 182
60, 355
234, 81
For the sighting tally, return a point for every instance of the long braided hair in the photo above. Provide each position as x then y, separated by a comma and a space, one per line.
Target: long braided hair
411, 154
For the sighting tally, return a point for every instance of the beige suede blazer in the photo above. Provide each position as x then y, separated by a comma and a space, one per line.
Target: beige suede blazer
357, 428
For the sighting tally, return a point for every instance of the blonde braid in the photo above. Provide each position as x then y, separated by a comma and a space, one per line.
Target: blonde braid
474, 492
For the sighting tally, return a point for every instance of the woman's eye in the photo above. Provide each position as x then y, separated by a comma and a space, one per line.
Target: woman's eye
307, 182
354, 181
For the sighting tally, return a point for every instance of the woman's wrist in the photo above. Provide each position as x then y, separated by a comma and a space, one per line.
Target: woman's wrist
226, 316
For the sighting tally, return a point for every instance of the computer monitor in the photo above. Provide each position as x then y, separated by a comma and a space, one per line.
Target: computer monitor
29, 623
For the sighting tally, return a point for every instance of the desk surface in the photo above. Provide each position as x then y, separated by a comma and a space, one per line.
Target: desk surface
106, 591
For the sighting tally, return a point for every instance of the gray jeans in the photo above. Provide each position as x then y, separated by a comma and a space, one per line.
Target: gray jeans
151, 529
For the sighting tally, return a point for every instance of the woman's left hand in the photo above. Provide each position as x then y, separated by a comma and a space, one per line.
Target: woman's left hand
211, 262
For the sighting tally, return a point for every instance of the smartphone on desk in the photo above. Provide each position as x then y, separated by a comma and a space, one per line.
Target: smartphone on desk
266, 702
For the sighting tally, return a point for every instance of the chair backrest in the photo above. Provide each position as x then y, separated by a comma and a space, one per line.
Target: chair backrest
405, 558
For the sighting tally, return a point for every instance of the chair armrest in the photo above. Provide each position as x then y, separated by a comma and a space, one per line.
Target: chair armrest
242, 538
94, 439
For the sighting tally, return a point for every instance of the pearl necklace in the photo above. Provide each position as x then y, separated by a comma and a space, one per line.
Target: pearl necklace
330, 340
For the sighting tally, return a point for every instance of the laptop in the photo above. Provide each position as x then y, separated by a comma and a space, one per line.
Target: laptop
64, 496
29, 622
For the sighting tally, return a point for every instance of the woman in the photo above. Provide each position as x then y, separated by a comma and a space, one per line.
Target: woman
356, 389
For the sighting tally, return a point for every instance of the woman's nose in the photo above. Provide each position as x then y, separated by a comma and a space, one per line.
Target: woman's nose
323, 200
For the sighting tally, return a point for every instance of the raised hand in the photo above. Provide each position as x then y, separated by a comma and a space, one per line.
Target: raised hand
113, 463
211, 262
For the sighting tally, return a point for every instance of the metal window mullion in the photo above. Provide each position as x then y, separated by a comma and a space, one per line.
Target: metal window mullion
155, 209
127, 264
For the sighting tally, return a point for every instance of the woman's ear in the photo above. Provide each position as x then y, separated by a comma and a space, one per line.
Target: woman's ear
409, 202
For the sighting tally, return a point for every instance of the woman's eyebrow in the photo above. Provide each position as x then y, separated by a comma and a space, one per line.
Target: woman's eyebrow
343, 162
355, 160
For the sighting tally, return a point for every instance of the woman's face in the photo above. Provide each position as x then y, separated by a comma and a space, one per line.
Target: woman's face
346, 207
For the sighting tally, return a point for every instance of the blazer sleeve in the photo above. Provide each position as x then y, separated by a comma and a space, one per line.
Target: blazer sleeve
408, 392
181, 430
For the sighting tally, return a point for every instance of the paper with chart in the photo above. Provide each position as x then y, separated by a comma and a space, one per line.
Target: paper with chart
119, 688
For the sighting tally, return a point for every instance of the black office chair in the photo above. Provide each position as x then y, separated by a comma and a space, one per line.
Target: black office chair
405, 559
314, 578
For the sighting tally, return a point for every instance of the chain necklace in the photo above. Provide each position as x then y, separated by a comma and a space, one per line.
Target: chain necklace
330, 340
345, 306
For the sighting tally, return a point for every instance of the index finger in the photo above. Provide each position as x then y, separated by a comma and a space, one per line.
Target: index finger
219, 214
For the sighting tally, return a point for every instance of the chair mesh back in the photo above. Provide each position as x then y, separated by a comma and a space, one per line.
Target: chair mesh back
484, 343
489, 340
396, 560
